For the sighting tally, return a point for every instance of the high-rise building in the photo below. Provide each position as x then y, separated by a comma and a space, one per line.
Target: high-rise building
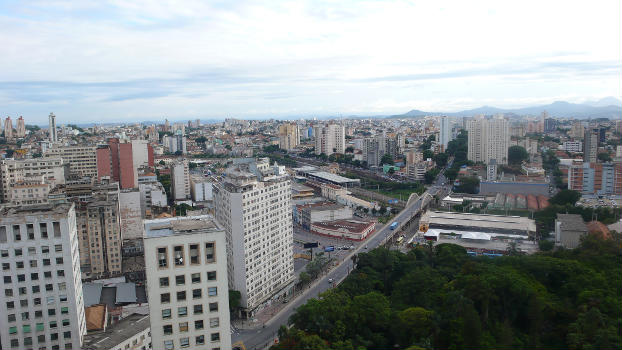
187, 283
488, 139
115, 161
180, 180
82, 160
142, 154
8, 128
596, 178
289, 136
20, 128
43, 170
590, 145
445, 132
550, 125
577, 130
42, 306
176, 143
253, 204
330, 139
52, 128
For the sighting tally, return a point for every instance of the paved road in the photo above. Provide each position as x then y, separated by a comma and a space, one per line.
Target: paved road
260, 338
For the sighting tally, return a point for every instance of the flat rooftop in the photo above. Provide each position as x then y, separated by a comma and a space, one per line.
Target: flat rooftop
117, 333
8, 211
334, 178
180, 225
349, 224
516, 223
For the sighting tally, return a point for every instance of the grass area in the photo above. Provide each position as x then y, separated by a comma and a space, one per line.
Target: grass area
405, 193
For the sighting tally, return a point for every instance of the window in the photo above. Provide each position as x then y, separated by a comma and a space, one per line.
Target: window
33, 263
40, 327
38, 313
163, 281
183, 327
198, 324
63, 298
19, 264
181, 296
64, 310
14, 342
47, 262
196, 293
194, 254
28, 340
30, 231
12, 330
4, 253
165, 298
3, 237
167, 329
162, 260
23, 303
180, 280
53, 324
178, 255
59, 261
198, 309
168, 345
49, 287
213, 307
215, 336
18, 252
25, 316
41, 339
60, 273
199, 339
182, 311
22, 290
184, 342
32, 251
211, 275
58, 248
34, 276
214, 322
210, 255
45, 249
8, 292
166, 313
65, 322
212, 291
21, 278
67, 334
56, 226
62, 286
7, 279
11, 317
51, 312
26, 328
196, 278
43, 228
36, 289
6, 266
10, 305
17, 235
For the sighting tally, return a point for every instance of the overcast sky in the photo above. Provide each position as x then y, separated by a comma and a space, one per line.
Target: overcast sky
135, 60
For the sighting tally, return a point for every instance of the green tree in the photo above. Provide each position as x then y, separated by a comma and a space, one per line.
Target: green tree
441, 159
604, 157
565, 197
468, 184
387, 159
517, 154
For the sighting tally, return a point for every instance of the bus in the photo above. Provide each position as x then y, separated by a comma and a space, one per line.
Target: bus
394, 225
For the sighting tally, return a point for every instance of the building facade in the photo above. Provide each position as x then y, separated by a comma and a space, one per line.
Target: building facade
289, 136
52, 131
488, 139
187, 283
590, 151
596, 178
115, 161
82, 160
330, 139
47, 170
180, 180
42, 306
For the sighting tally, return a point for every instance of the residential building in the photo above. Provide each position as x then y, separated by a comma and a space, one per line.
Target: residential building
20, 128
595, 178
82, 160
42, 306
52, 128
130, 214
176, 143
8, 128
444, 132
330, 139
152, 198
115, 161
577, 130
413, 157
29, 192
131, 333
187, 283
289, 136
488, 139
572, 146
201, 188
253, 203
569, 228
180, 180
590, 151
142, 154
13, 172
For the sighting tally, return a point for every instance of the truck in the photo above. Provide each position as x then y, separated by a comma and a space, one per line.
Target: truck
394, 225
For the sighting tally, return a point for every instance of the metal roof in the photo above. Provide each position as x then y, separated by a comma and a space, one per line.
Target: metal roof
126, 293
92, 293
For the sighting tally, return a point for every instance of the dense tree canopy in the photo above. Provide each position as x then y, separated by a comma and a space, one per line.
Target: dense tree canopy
517, 154
564, 197
440, 298
468, 184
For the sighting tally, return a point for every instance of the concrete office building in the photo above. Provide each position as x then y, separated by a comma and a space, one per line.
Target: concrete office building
330, 139
12, 172
572, 146
42, 305
253, 203
130, 214
187, 283
52, 128
444, 131
590, 150
180, 180
289, 136
82, 160
115, 161
488, 139
142, 154
201, 188
152, 198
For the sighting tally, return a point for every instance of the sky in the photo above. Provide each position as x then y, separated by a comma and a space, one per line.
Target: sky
119, 60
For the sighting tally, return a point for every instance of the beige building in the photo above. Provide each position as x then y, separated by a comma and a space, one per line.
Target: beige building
330, 139
180, 180
289, 136
82, 160
29, 193
488, 139
20, 171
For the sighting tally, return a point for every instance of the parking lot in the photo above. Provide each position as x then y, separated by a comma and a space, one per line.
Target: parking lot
341, 246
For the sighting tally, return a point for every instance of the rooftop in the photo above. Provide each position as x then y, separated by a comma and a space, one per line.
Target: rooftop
332, 177
350, 225
572, 222
116, 334
479, 220
180, 225
8, 211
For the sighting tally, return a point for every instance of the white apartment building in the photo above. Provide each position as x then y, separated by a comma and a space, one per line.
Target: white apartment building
444, 131
52, 131
41, 305
572, 146
253, 203
330, 139
140, 153
152, 196
82, 160
19, 171
488, 139
201, 188
187, 283
180, 180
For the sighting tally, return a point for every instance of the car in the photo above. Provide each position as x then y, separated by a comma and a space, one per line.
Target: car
365, 247
330, 280
285, 301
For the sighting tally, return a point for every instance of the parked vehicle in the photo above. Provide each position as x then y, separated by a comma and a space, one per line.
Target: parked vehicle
394, 225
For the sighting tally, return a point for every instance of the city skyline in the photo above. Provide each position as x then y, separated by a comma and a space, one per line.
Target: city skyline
253, 60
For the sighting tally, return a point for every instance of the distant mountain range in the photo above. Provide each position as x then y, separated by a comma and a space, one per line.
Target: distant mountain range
608, 107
